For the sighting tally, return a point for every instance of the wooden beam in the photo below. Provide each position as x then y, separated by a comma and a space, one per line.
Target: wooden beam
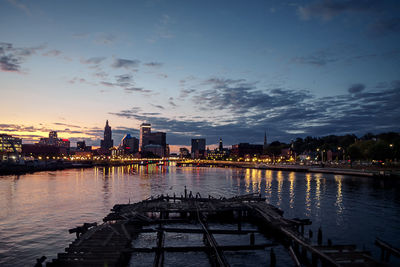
382, 244
159, 257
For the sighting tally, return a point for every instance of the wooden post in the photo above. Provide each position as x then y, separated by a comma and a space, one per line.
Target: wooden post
314, 260
273, 258
302, 229
329, 242
240, 221
304, 253
252, 239
319, 236
310, 234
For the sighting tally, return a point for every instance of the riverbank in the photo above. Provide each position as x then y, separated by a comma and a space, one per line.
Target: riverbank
37, 166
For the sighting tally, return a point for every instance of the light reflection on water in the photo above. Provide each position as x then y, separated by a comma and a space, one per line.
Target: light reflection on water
36, 210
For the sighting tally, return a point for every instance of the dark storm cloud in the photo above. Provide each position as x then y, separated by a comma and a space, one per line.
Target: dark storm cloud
153, 64
331, 8
125, 63
284, 114
11, 58
356, 88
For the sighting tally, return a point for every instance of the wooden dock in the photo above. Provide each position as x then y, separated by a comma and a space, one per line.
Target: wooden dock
110, 244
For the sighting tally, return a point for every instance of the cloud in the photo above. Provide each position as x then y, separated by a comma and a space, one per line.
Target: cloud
356, 88
285, 114
125, 63
21, 6
328, 9
319, 58
105, 39
137, 89
11, 58
171, 102
385, 26
124, 78
93, 60
239, 96
157, 106
52, 53
153, 64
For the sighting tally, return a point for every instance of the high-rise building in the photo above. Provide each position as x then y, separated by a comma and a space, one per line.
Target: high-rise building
221, 146
107, 142
129, 144
145, 131
148, 140
198, 148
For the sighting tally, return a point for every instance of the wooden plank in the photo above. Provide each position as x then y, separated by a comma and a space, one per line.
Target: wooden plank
212, 231
213, 243
338, 248
159, 257
382, 244
203, 248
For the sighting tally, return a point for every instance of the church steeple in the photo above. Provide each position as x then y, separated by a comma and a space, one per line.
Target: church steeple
265, 138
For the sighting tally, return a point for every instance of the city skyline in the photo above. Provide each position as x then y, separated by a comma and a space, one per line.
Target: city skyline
225, 69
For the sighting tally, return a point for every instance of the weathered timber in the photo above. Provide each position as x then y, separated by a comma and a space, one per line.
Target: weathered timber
110, 243
386, 247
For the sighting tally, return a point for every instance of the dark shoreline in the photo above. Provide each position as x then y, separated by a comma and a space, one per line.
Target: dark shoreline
56, 166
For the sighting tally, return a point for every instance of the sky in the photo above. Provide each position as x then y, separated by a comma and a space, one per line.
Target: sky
199, 69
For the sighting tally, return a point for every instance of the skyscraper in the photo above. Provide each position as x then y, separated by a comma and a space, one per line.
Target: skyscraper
107, 143
198, 148
145, 131
221, 147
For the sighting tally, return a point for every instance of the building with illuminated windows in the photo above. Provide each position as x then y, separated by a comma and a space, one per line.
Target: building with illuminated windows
152, 142
107, 142
10, 147
198, 149
129, 144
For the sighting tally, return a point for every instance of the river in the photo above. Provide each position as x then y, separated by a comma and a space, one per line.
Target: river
36, 210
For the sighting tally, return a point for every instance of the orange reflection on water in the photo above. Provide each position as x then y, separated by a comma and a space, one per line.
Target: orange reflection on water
268, 184
292, 179
339, 196
280, 183
308, 193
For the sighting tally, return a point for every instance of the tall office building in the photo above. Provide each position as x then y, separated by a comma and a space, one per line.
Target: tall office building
107, 142
152, 142
221, 147
198, 148
145, 131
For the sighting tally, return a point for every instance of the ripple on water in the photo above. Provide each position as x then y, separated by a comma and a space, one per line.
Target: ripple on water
39, 208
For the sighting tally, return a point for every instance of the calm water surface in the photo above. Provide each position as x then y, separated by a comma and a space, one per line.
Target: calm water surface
36, 210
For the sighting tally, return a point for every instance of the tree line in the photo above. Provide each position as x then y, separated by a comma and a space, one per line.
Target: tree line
383, 146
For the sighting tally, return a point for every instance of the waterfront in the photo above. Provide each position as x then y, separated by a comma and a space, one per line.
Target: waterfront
36, 210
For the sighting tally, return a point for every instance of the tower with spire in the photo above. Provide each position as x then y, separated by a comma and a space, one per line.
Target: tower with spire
265, 142
107, 142
221, 147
